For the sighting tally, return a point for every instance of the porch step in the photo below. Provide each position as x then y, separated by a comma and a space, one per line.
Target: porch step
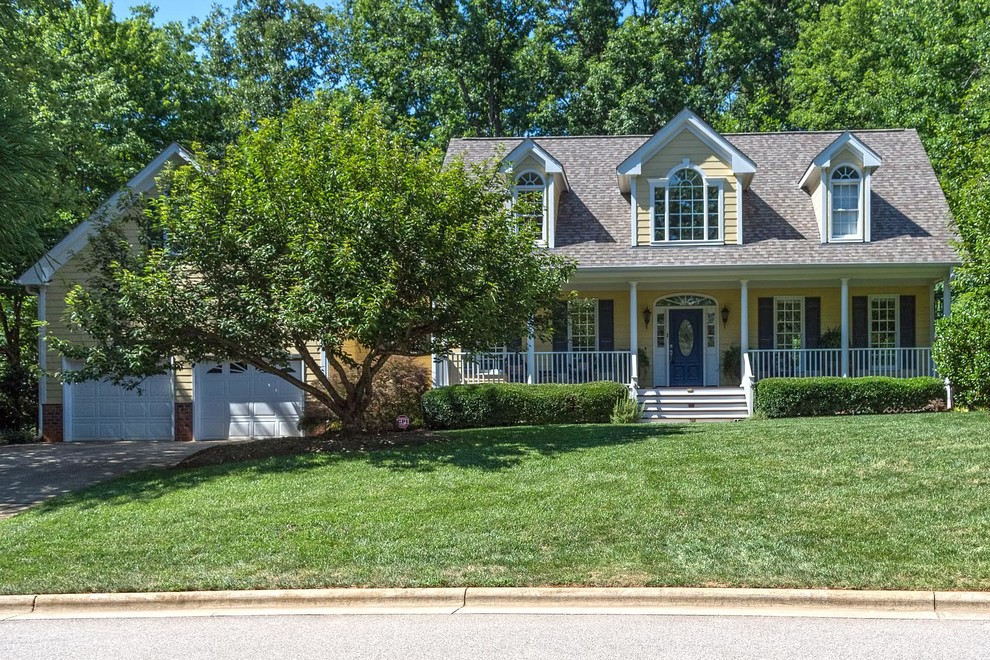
692, 404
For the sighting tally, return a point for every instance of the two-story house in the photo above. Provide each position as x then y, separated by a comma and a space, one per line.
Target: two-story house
704, 260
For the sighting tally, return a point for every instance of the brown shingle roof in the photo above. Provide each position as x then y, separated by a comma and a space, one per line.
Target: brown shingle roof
910, 218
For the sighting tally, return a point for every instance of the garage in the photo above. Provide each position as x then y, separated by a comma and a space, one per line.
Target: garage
237, 400
100, 410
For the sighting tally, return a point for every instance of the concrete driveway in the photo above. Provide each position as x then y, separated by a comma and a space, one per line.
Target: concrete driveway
30, 474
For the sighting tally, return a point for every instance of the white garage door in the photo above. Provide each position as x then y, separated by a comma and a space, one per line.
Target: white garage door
236, 400
100, 410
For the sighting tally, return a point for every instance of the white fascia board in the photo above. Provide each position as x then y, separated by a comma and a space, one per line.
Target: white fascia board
807, 179
528, 147
871, 159
45, 268
739, 162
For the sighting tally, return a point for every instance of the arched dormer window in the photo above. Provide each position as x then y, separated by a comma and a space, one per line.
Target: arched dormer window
687, 207
845, 187
530, 199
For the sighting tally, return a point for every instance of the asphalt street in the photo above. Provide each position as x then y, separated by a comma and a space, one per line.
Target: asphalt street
484, 636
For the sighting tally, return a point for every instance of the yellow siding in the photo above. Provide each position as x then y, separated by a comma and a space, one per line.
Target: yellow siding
686, 145
528, 163
358, 352
74, 272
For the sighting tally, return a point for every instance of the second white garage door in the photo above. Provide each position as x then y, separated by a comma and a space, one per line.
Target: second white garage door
236, 400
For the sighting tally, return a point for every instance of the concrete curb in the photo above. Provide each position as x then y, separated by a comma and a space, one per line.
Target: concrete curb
11, 605
955, 602
707, 598
468, 600
282, 599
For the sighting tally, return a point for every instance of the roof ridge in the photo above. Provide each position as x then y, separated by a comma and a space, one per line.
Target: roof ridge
836, 131
636, 135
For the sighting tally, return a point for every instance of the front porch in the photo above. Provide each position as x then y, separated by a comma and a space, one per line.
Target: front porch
705, 331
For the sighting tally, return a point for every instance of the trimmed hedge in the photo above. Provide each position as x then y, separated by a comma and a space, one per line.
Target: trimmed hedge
500, 404
812, 397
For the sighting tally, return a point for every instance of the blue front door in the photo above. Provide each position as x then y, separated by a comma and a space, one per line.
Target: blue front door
686, 346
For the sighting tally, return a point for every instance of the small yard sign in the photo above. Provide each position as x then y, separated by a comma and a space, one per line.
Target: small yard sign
402, 422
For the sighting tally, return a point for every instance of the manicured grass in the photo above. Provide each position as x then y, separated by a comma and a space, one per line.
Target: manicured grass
855, 502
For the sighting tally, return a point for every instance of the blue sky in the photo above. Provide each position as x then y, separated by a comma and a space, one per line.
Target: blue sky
173, 10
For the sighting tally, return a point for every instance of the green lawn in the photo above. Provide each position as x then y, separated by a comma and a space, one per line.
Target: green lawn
857, 502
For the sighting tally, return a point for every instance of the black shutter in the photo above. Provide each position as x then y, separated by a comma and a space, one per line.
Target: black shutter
812, 322
765, 318
560, 326
514, 345
860, 322
908, 339
606, 325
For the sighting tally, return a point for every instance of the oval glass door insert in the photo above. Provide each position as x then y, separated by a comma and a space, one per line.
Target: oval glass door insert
685, 337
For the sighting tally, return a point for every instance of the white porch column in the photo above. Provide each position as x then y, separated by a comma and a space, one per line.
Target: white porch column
633, 333
744, 316
947, 294
42, 355
845, 326
531, 356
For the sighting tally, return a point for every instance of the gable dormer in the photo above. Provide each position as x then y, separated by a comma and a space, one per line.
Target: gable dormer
536, 174
685, 185
839, 181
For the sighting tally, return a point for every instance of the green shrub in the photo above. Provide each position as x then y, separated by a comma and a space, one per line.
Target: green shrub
497, 404
626, 411
812, 397
396, 390
962, 348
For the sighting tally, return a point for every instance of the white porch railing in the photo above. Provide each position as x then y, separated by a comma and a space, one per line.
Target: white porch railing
894, 362
806, 362
570, 367
796, 363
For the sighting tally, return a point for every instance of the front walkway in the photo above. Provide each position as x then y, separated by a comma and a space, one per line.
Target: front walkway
31, 474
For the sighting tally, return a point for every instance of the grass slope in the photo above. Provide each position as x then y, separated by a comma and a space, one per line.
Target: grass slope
858, 502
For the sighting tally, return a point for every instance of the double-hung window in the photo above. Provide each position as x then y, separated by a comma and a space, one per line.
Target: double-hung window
845, 188
582, 324
883, 331
687, 207
788, 322
531, 202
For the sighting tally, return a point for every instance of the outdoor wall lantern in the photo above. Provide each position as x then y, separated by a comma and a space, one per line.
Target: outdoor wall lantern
647, 314
725, 315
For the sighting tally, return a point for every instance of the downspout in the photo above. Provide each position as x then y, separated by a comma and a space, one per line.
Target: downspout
42, 355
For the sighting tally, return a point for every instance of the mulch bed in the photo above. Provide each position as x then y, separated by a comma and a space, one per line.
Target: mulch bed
336, 443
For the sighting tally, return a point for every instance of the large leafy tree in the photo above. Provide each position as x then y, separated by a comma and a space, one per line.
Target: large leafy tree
315, 233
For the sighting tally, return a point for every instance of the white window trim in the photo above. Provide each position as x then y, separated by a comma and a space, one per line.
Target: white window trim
570, 329
804, 320
545, 189
861, 211
665, 184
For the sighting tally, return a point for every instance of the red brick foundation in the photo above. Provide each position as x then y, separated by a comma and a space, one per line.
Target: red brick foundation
51, 422
183, 422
